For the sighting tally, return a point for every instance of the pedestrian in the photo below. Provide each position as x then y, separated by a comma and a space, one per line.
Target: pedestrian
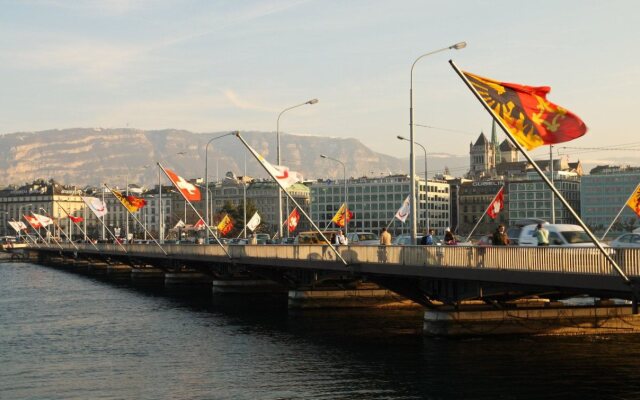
385, 237
340, 239
500, 237
448, 237
427, 240
542, 235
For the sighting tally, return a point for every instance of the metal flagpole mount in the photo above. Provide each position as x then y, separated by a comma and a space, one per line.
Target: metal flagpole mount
545, 178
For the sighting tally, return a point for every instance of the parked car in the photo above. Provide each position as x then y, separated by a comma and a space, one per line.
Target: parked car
626, 240
559, 235
405, 240
363, 238
313, 237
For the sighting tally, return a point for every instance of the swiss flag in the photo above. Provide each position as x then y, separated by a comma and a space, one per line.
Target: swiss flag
293, 220
33, 221
199, 225
189, 190
496, 205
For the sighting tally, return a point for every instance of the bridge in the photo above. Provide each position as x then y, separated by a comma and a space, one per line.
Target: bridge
445, 280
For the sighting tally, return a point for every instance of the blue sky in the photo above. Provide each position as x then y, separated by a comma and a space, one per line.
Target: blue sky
211, 66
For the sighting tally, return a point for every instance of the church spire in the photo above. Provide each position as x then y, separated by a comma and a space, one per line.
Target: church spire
495, 145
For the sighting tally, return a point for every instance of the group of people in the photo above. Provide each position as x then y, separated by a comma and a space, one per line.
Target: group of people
500, 237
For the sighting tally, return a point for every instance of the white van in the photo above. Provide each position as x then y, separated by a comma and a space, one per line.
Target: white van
559, 235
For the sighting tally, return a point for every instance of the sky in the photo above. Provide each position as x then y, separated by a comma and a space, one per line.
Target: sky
215, 66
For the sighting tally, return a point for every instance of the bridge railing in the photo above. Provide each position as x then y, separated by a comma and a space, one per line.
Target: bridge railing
579, 260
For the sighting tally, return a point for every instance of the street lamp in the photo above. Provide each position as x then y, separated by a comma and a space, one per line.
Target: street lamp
310, 102
346, 204
426, 183
412, 158
206, 178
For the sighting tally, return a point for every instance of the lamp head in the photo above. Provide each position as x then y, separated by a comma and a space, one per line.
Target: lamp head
323, 156
459, 46
401, 137
312, 101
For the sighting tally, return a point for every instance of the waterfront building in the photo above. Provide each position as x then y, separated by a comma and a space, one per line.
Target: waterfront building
604, 192
474, 199
375, 201
51, 196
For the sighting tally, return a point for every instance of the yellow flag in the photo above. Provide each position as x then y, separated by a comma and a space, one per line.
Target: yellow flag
634, 201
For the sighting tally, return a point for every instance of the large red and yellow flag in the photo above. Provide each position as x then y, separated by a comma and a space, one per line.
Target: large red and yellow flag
225, 225
634, 201
131, 203
525, 111
339, 218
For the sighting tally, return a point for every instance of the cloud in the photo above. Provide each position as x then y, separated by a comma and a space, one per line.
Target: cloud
243, 104
108, 7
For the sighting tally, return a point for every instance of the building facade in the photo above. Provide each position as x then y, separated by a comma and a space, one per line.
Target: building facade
604, 193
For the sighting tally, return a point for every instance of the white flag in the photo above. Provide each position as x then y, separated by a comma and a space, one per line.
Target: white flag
280, 173
44, 220
180, 224
17, 225
96, 205
254, 222
404, 210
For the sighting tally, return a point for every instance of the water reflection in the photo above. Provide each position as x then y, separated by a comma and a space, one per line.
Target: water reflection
64, 335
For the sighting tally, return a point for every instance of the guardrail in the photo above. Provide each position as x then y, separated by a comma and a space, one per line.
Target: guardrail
578, 260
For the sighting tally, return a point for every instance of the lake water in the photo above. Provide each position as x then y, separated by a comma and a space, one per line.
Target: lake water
69, 336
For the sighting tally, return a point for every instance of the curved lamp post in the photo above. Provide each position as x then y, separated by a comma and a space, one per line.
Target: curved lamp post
426, 183
412, 159
346, 204
310, 102
206, 178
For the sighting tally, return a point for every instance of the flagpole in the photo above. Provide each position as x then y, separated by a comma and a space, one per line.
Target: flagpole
59, 229
104, 226
546, 180
294, 201
483, 214
76, 224
135, 218
620, 212
45, 228
26, 233
197, 213
37, 231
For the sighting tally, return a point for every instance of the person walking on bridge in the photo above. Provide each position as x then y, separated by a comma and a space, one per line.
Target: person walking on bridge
542, 235
500, 238
385, 237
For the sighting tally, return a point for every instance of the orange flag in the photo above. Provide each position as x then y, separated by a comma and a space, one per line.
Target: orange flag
225, 225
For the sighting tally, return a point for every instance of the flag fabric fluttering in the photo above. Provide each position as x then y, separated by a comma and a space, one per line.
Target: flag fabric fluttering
17, 226
496, 205
254, 222
77, 220
131, 203
293, 220
200, 225
43, 220
189, 190
33, 221
339, 218
225, 225
404, 210
96, 205
280, 173
531, 119
179, 225
634, 201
